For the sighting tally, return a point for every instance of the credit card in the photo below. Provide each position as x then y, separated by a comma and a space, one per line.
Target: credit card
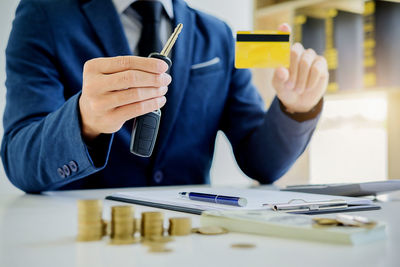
262, 49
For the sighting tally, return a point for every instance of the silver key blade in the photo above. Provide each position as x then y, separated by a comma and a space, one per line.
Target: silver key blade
171, 41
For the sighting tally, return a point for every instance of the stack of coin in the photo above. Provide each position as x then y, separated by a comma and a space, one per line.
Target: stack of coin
180, 226
152, 224
122, 225
90, 223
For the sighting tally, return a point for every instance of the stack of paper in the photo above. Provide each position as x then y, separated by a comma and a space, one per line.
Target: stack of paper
285, 225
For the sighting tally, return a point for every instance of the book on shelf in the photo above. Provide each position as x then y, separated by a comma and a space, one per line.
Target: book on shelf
338, 36
387, 36
369, 63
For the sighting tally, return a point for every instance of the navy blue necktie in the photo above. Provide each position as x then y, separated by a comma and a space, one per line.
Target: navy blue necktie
150, 13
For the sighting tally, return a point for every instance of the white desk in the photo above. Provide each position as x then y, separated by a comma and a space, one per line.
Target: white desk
37, 230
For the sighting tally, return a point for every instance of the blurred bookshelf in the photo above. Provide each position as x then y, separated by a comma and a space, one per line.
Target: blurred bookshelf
352, 35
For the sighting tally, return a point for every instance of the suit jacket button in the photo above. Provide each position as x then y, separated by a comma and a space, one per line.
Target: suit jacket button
66, 170
61, 173
158, 176
73, 166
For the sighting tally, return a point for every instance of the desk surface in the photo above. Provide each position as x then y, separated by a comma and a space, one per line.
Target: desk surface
40, 230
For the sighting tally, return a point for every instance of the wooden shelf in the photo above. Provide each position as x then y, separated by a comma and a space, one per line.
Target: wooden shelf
354, 6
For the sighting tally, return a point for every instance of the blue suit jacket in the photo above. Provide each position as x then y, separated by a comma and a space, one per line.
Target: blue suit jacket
43, 149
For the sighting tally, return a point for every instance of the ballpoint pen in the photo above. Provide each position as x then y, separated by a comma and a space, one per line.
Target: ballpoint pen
211, 198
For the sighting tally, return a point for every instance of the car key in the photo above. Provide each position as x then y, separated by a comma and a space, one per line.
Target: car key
145, 127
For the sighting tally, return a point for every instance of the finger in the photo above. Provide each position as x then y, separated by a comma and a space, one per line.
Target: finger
318, 67
132, 95
319, 89
130, 111
303, 70
123, 63
285, 28
130, 78
295, 55
281, 75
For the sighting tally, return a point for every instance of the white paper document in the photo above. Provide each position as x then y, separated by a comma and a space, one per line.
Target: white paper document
255, 198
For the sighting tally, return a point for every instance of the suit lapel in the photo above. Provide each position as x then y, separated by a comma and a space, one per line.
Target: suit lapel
106, 23
180, 70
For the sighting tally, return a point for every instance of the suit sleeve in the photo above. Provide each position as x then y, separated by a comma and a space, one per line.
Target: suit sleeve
265, 143
42, 147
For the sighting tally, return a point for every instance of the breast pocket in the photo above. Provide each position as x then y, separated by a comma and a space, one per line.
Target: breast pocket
210, 66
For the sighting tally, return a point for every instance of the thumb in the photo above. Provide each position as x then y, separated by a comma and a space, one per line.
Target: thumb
285, 28
281, 75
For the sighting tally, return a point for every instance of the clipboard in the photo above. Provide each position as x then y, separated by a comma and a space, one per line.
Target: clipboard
257, 200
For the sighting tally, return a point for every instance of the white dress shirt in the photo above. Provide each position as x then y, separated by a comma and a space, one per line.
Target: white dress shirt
132, 24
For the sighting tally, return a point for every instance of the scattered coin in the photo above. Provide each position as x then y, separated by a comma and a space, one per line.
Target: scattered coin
159, 247
211, 230
325, 221
125, 241
243, 245
356, 221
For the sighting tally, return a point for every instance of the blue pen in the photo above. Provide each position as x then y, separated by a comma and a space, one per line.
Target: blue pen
218, 199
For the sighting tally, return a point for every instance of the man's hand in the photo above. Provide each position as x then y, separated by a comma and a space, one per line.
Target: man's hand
118, 89
300, 87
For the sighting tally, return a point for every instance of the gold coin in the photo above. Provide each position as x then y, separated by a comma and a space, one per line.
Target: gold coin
180, 226
158, 247
157, 239
123, 241
87, 238
212, 230
243, 245
106, 227
90, 203
122, 211
152, 215
325, 221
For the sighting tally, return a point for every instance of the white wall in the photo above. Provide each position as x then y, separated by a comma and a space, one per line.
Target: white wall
7, 11
238, 15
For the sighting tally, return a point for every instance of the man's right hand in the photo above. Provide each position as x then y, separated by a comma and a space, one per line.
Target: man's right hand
118, 89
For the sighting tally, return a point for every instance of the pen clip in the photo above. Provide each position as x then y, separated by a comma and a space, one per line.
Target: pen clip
302, 205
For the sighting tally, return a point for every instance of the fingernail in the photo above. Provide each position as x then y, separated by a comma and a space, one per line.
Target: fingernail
164, 90
162, 66
166, 78
162, 100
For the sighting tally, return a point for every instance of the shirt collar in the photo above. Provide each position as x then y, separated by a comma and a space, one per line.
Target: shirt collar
122, 5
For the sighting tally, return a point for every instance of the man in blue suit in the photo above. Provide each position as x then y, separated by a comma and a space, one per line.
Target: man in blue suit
73, 88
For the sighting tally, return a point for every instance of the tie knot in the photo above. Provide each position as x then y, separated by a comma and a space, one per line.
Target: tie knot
150, 11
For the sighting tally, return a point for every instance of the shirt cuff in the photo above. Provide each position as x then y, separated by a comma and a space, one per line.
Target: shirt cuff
303, 116
98, 149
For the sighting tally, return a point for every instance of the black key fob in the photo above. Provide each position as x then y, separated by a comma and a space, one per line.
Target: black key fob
144, 133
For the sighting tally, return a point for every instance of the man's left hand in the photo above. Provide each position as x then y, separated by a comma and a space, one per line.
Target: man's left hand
301, 87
